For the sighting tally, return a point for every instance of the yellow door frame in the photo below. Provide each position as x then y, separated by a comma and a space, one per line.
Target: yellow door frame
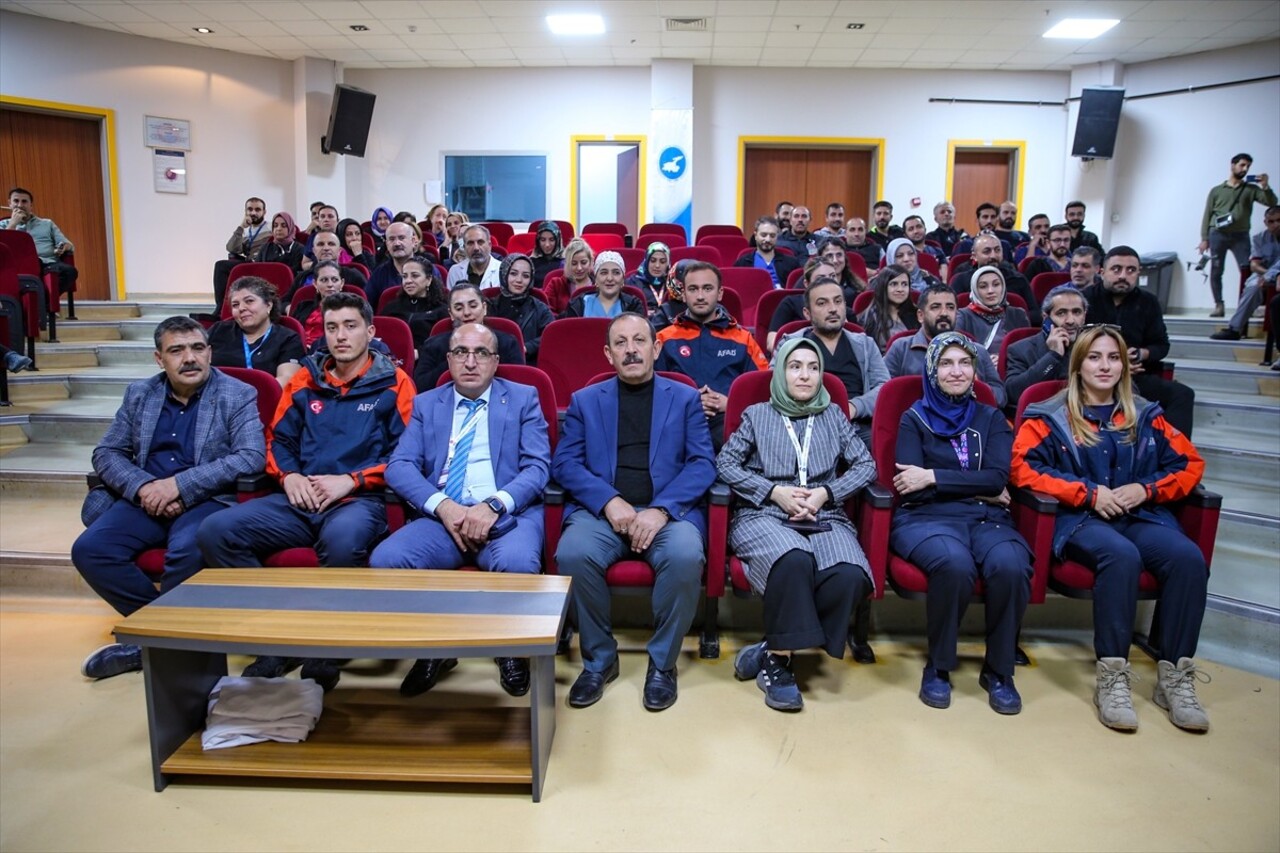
108, 117
1018, 146
638, 139
847, 142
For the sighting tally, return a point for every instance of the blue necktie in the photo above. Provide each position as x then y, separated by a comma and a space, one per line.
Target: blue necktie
458, 466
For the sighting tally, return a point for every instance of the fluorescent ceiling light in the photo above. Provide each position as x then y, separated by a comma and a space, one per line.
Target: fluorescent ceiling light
576, 25
1080, 28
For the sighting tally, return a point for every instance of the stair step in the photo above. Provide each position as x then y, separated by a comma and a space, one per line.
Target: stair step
60, 428
1244, 559
1230, 466
89, 330
1240, 352
1258, 416
1193, 325
1210, 377
100, 310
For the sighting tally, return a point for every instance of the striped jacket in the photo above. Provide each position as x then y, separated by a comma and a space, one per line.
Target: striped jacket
1046, 457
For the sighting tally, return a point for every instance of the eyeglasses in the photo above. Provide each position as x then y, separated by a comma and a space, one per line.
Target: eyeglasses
1111, 326
462, 354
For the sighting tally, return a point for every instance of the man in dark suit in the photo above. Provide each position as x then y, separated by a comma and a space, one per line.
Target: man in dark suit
466, 305
168, 461
635, 459
473, 460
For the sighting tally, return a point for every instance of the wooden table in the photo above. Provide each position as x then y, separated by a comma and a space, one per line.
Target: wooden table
372, 734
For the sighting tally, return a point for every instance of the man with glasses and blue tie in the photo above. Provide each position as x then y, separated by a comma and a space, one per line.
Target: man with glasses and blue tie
474, 460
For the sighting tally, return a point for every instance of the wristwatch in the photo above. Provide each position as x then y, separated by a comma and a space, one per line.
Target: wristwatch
496, 505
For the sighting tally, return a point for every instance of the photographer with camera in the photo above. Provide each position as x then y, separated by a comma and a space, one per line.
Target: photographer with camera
1225, 225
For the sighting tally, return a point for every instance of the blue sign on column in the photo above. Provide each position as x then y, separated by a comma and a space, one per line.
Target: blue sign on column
671, 175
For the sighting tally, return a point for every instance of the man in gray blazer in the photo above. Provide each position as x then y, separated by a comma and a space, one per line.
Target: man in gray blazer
168, 461
473, 460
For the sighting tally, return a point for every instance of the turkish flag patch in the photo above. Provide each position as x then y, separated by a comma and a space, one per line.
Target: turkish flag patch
685, 352
316, 406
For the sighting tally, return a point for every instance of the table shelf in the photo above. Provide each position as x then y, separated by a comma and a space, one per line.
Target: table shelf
379, 735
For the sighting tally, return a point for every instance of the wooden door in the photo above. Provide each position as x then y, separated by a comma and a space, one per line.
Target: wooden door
979, 176
813, 177
59, 159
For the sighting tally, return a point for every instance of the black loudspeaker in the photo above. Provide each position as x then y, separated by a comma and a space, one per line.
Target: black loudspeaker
349, 119
1097, 123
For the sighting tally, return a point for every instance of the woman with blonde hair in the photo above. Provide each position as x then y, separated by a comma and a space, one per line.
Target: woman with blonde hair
579, 272
1113, 462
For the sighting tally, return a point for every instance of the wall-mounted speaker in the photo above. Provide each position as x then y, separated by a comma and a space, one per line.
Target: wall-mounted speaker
349, 119
1097, 122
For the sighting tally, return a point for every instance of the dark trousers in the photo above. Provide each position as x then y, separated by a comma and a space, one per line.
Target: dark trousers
222, 272
677, 555
1177, 400
1005, 569
1118, 551
806, 608
104, 554
67, 274
342, 535
1219, 243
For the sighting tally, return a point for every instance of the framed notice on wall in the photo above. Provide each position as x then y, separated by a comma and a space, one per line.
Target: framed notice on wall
168, 133
169, 171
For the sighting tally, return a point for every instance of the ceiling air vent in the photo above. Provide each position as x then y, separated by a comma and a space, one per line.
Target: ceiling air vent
686, 25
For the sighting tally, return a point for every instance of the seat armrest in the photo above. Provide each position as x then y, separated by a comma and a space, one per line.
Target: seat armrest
1033, 500
877, 496
553, 494
248, 484
1203, 498
875, 515
719, 499
1035, 515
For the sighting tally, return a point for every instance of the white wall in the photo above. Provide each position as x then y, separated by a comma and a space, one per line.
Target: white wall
247, 114
1171, 150
499, 110
240, 109
889, 104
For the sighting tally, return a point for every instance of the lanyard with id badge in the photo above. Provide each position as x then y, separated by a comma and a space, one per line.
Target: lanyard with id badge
808, 526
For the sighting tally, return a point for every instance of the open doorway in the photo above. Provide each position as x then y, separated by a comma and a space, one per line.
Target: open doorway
809, 171
978, 172
58, 156
608, 182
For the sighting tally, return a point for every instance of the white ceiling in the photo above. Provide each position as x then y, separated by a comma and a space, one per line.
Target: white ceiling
935, 34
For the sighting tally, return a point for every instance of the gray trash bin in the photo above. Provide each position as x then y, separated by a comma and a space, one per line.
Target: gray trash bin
1156, 275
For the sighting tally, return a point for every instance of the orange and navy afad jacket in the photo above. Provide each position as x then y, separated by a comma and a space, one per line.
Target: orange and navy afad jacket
713, 353
1046, 457
323, 427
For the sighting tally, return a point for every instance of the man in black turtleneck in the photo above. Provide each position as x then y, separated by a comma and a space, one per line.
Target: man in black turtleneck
635, 458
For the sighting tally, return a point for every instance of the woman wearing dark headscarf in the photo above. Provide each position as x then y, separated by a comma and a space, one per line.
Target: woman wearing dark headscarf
673, 305
352, 237
515, 302
953, 456
988, 317
799, 547
282, 247
653, 276
378, 228
548, 252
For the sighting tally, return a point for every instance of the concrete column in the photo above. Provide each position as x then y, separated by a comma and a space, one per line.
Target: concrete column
318, 176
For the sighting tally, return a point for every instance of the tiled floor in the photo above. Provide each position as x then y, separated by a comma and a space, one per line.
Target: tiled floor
864, 766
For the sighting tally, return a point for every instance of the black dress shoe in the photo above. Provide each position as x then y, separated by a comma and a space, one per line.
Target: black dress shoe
659, 688
1020, 657
862, 652
112, 660
514, 675
424, 674
268, 666
589, 687
323, 671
